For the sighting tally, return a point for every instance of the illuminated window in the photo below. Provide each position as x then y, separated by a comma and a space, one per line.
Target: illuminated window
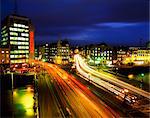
13, 38
16, 25
12, 56
2, 51
19, 25
17, 29
26, 30
13, 42
5, 35
24, 34
4, 43
23, 47
7, 51
4, 27
26, 26
4, 39
14, 33
22, 38
4, 31
21, 30
12, 61
13, 29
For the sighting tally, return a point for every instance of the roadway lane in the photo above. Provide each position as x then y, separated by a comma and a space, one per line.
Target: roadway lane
75, 99
47, 103
81, 102
109, 78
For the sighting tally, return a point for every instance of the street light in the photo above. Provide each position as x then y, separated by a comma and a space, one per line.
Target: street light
142, 74
130, 76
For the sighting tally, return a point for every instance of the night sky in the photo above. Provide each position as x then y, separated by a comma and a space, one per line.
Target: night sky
115, 22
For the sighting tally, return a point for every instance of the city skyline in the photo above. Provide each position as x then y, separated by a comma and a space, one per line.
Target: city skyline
83, 22
75, 59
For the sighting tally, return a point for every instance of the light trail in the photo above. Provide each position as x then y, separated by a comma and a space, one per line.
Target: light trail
116, 90
85, 70
76, 98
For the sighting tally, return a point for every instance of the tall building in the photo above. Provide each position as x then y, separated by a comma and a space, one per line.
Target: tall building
63, 52
52, 51
101, 54
18, 35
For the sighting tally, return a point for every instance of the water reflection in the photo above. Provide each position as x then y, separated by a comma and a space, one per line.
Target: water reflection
23, 102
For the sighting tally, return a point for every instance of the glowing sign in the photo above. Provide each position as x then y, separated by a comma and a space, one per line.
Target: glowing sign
31, 44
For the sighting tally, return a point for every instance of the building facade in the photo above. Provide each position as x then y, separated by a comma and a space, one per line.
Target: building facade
4, 56
100, 54
52, 51
138, 56
63, 52
18, 36
4, 59
58, 53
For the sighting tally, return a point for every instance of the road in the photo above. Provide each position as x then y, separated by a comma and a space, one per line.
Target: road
47, 103
104, 76
73, 98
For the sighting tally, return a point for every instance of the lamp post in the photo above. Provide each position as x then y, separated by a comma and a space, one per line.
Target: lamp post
141, 82
116, 71
12, 87
12, 81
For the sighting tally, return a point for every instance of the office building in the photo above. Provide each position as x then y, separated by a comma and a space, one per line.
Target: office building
63, 52
100, 54
18, 35
52, 51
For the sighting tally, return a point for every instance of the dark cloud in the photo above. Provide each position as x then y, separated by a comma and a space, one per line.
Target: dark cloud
73, 18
